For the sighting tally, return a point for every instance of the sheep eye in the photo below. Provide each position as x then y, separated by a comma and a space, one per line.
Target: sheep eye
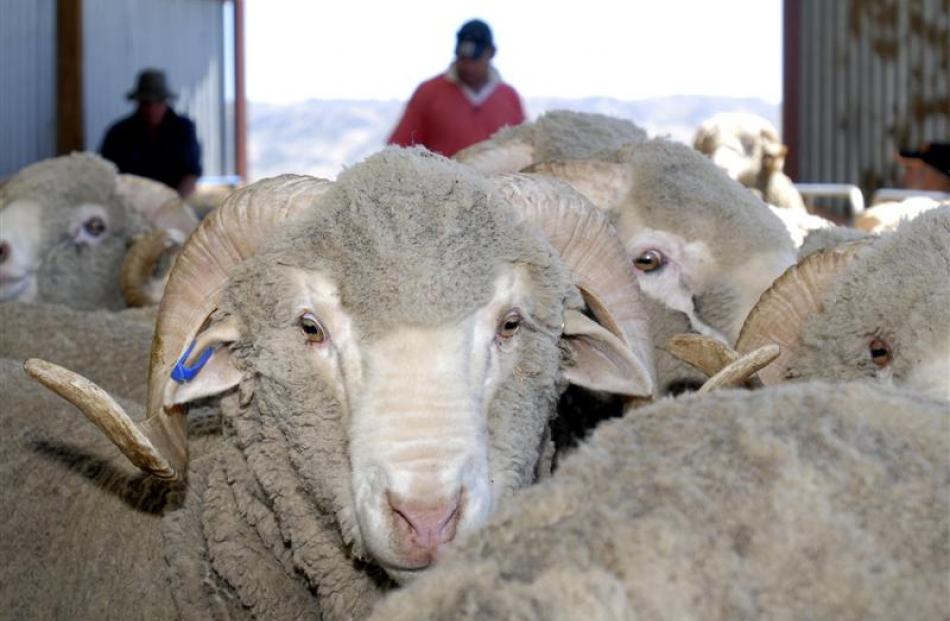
509, 325
880, 352
95, 226
649, 261
313, 329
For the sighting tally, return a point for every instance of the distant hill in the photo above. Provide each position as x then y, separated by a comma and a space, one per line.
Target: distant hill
319, 137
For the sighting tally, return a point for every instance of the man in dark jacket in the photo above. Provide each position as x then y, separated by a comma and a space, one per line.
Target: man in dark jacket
155, 141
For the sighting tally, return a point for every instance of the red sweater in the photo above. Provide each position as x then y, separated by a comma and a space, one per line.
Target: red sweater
442, 118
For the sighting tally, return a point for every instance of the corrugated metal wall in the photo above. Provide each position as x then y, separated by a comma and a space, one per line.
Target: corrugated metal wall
183, 37
27, 82
873, 77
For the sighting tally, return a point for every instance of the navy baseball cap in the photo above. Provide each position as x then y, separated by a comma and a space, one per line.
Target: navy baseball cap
936, 154
472, 39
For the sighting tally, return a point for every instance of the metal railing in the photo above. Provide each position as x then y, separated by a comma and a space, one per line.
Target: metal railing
851, 193
885, 195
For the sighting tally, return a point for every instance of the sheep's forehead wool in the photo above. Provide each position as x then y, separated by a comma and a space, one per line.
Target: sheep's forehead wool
414, 239
898, 289
678, 190
60, 186
822, 239
564, 134
65, 181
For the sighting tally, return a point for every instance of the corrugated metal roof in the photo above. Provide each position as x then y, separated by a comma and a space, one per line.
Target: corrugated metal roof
120, 37
874, 76
182, 37
27, 82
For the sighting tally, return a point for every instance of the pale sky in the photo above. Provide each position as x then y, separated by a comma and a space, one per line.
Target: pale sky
633, 49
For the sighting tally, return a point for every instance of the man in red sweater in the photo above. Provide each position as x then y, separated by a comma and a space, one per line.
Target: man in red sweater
466, 104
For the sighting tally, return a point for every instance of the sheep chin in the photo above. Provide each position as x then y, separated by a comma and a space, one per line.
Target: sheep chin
403, 575
21, 289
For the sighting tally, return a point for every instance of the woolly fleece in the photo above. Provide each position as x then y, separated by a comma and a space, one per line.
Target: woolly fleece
565, 134
815, 501
108, 348
81, 528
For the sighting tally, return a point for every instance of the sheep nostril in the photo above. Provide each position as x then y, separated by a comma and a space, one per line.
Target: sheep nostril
427, 524
4, 251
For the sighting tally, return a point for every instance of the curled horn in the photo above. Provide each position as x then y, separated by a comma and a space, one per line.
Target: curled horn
604, 183
780, 314
723, 365
224, 239
742, 369
157, 202
101, 409
703, 352
139, 281
592, 251
496, 157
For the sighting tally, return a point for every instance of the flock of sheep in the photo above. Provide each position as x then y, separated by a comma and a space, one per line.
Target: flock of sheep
577, 372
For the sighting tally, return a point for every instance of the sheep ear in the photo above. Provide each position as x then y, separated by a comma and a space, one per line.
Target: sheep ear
599, 360
207, 367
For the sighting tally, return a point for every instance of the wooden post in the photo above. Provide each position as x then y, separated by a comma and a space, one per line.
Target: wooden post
70, 131
791, 50
240, 102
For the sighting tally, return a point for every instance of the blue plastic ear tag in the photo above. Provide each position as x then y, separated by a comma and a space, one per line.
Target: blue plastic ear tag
182, 373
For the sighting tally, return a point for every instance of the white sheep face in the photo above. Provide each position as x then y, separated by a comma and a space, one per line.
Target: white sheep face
413, 402
685, 276
64, 223
20, 237
418, 430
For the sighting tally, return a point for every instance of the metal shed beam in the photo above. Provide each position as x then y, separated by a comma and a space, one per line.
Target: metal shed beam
69, 77
791, 42
240, 101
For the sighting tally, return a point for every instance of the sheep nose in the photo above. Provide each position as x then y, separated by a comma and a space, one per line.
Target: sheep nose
4, 251
426, 525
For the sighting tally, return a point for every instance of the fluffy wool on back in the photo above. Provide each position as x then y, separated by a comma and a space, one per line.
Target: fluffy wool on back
815, 501
111, 349
565, 134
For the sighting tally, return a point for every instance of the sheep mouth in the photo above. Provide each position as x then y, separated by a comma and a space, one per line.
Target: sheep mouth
404, 574
13, 288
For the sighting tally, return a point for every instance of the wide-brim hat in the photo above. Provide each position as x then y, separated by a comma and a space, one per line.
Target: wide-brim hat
151, 86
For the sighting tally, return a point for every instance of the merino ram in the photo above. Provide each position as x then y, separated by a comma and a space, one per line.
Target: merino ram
66, 223
703, 248
876, 308
814, 501
389, 349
